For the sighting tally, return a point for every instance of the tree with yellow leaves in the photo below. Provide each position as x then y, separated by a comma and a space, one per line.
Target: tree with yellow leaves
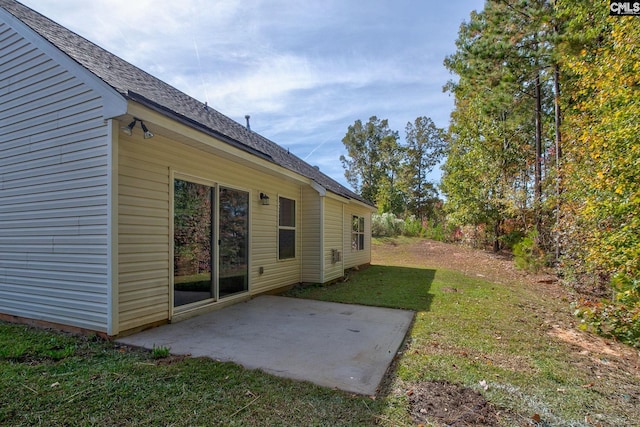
601, 172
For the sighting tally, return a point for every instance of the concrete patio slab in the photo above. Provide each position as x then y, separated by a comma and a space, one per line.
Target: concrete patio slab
344, 346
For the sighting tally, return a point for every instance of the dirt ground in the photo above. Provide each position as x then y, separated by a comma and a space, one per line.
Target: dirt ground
453, 405
500, 268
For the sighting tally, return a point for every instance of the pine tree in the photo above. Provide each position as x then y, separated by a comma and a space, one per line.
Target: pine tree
497, 133
425, 148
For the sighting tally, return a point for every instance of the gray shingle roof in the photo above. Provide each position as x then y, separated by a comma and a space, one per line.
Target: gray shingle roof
138, 85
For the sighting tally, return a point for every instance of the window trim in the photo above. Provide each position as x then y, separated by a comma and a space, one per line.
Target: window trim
288, 227
357, 233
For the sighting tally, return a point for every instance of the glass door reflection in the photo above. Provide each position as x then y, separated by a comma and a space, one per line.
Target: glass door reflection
233, 223
192, 237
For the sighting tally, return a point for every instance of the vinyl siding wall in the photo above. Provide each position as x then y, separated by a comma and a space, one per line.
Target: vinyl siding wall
353, 258
146, 169
54, 171
311, 248
333, 238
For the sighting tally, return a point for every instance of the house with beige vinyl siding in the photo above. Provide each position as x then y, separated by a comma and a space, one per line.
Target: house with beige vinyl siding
125, 203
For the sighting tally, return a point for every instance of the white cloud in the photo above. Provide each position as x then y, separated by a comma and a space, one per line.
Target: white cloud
303, 70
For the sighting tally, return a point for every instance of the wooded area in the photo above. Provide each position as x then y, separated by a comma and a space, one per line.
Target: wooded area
542, 151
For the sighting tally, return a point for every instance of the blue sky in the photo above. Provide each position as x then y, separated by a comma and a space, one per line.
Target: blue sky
304, 70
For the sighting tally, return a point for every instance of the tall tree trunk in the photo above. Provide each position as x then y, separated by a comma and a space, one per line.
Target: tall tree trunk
538, 163
558, 119
497, 233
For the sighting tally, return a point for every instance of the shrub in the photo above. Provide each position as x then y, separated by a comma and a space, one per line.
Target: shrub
389, 225
611, 319
413, 227
511, 239
386, 225
435, 231
528, 255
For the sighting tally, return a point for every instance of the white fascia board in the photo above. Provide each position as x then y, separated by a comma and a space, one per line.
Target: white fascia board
323, 192
364, 205
222, 148
319, 188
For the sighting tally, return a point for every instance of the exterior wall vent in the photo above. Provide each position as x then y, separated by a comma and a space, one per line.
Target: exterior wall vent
336, 256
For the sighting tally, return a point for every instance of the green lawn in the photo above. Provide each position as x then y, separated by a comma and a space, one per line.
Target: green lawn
101, 384
466, 330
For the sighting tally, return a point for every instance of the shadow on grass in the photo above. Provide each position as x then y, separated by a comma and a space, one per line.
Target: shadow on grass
378, 285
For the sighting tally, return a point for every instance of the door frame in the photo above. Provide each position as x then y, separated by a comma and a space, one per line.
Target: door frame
215, 249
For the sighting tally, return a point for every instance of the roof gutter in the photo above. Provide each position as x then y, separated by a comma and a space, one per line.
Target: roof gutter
319, 188
195, 125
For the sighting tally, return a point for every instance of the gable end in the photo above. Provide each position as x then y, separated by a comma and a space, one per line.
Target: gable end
113, 104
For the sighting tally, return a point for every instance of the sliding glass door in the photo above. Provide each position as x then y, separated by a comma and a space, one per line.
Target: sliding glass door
192, 242
206, 237
234, 232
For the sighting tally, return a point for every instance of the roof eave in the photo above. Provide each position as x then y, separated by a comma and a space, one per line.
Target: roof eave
195, 125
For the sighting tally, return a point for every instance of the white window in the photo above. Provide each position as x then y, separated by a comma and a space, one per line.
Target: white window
286, 228
357, 233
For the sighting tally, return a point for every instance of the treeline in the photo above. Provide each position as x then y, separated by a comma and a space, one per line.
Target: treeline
543, 147
392, 174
